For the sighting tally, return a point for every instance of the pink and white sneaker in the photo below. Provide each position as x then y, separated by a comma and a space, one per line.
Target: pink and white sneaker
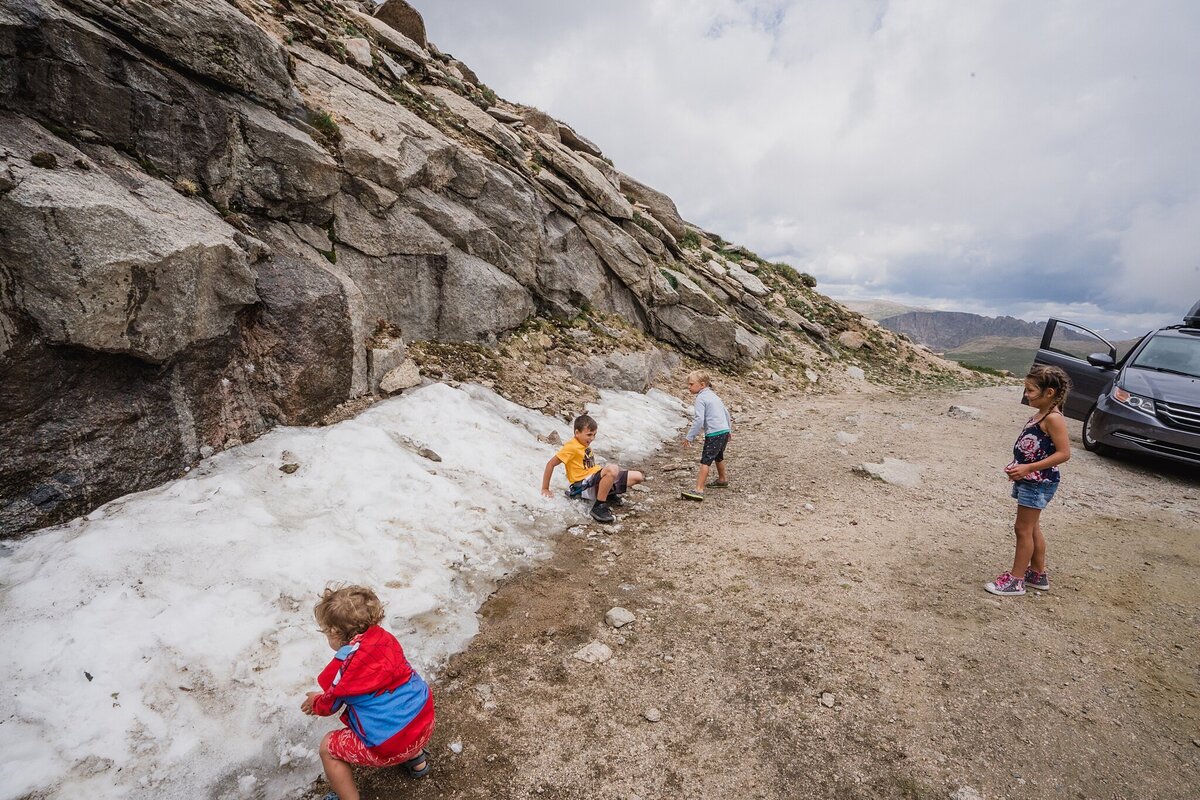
1006, 585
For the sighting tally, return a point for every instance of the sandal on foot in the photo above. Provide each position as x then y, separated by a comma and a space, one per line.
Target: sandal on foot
689, 495
719, 485
410, 766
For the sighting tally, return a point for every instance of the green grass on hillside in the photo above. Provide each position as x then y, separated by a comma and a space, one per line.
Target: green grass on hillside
997, 352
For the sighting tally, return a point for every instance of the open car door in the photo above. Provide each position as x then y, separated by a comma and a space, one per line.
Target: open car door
1087, 357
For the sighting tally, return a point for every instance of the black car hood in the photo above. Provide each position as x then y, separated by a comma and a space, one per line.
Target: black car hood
1164, 386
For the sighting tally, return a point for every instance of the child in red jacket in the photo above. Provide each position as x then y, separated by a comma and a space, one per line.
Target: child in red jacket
387, 707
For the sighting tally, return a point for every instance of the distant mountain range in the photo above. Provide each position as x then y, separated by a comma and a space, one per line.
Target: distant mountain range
947, 330
1005, 343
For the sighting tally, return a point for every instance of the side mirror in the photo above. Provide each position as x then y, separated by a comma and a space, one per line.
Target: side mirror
1102, 360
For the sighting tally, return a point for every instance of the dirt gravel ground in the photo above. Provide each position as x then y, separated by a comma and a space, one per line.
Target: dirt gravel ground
808, 582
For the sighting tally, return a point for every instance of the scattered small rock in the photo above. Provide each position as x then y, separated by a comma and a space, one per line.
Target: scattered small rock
289, 468
893, 471
652, 714
551, 438
44, 160
851, 340
809, 507
964, 412
405, 376
618, 617
827, 699
966, 793
456, 747
206, 451
359, 50
593, 653
856, 373
844, 438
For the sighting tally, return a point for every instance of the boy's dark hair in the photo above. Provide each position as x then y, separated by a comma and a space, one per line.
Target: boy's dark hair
584, 423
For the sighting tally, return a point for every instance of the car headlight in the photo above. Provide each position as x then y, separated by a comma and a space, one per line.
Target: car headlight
1135, 401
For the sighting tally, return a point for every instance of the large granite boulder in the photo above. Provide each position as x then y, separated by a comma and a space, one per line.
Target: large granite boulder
405, 19
208, 38
632, 372
661, 207
151, 272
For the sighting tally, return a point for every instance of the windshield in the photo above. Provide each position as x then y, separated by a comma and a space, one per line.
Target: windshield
1179, 354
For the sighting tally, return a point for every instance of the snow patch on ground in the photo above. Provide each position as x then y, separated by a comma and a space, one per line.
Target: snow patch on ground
161, 646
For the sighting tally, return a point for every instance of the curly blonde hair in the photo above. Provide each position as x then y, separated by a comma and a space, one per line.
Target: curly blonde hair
347, 611
700, 376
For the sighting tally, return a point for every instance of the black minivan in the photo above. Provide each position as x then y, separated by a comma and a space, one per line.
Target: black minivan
1147, 401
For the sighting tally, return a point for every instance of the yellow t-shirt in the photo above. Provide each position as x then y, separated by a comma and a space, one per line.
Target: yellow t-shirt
578, 460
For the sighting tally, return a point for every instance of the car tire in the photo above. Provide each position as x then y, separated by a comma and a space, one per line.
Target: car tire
1089, 442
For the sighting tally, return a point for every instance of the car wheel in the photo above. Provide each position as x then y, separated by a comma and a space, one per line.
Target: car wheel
1090, 442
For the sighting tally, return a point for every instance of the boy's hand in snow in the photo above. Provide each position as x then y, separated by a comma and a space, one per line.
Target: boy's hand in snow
307, 705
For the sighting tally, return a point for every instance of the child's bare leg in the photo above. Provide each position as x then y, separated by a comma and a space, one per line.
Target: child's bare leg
721, 476
338, 773
1038, 561
1027, 522
608, 476
634, 478
702, 477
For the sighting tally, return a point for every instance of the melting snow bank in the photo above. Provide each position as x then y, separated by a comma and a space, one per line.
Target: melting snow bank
161, 646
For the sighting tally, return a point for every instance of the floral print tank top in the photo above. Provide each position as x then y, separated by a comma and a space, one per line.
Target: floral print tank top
1032, 445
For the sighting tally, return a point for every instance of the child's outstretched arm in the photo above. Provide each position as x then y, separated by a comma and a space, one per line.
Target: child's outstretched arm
547, 473
697, 420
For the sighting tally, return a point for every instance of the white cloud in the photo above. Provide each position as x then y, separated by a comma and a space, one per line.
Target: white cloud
1011, 154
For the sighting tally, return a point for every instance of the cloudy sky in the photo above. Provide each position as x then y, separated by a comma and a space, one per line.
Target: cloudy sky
1021, 157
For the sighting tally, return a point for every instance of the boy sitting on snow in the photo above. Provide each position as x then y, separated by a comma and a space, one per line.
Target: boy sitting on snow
605, 485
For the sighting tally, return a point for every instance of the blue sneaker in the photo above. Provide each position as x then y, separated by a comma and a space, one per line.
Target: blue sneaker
1037, 580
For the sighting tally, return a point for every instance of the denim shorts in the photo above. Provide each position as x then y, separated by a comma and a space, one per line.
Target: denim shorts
1034, 494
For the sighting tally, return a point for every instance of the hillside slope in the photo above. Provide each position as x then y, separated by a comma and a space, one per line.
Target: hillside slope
224, 216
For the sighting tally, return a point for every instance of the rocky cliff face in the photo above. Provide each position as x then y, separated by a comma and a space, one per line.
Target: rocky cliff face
215, 217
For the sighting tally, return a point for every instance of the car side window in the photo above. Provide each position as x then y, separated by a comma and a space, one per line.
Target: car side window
1075, 341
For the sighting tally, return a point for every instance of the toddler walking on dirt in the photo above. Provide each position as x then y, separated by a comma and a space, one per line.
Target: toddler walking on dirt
1039, 449
604, 485
714, 421
386, 705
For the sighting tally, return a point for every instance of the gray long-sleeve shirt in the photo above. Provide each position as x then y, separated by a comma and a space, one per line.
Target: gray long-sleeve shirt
711, 416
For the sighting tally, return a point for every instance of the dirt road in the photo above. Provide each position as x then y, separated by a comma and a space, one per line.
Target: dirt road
814, 632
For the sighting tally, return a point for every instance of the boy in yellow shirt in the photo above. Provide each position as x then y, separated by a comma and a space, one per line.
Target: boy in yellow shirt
604, 485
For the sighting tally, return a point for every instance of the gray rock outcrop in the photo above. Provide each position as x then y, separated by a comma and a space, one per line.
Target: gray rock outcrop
404, 18
209, 210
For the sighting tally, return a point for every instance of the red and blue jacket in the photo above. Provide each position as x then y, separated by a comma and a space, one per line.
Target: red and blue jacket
385, 702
